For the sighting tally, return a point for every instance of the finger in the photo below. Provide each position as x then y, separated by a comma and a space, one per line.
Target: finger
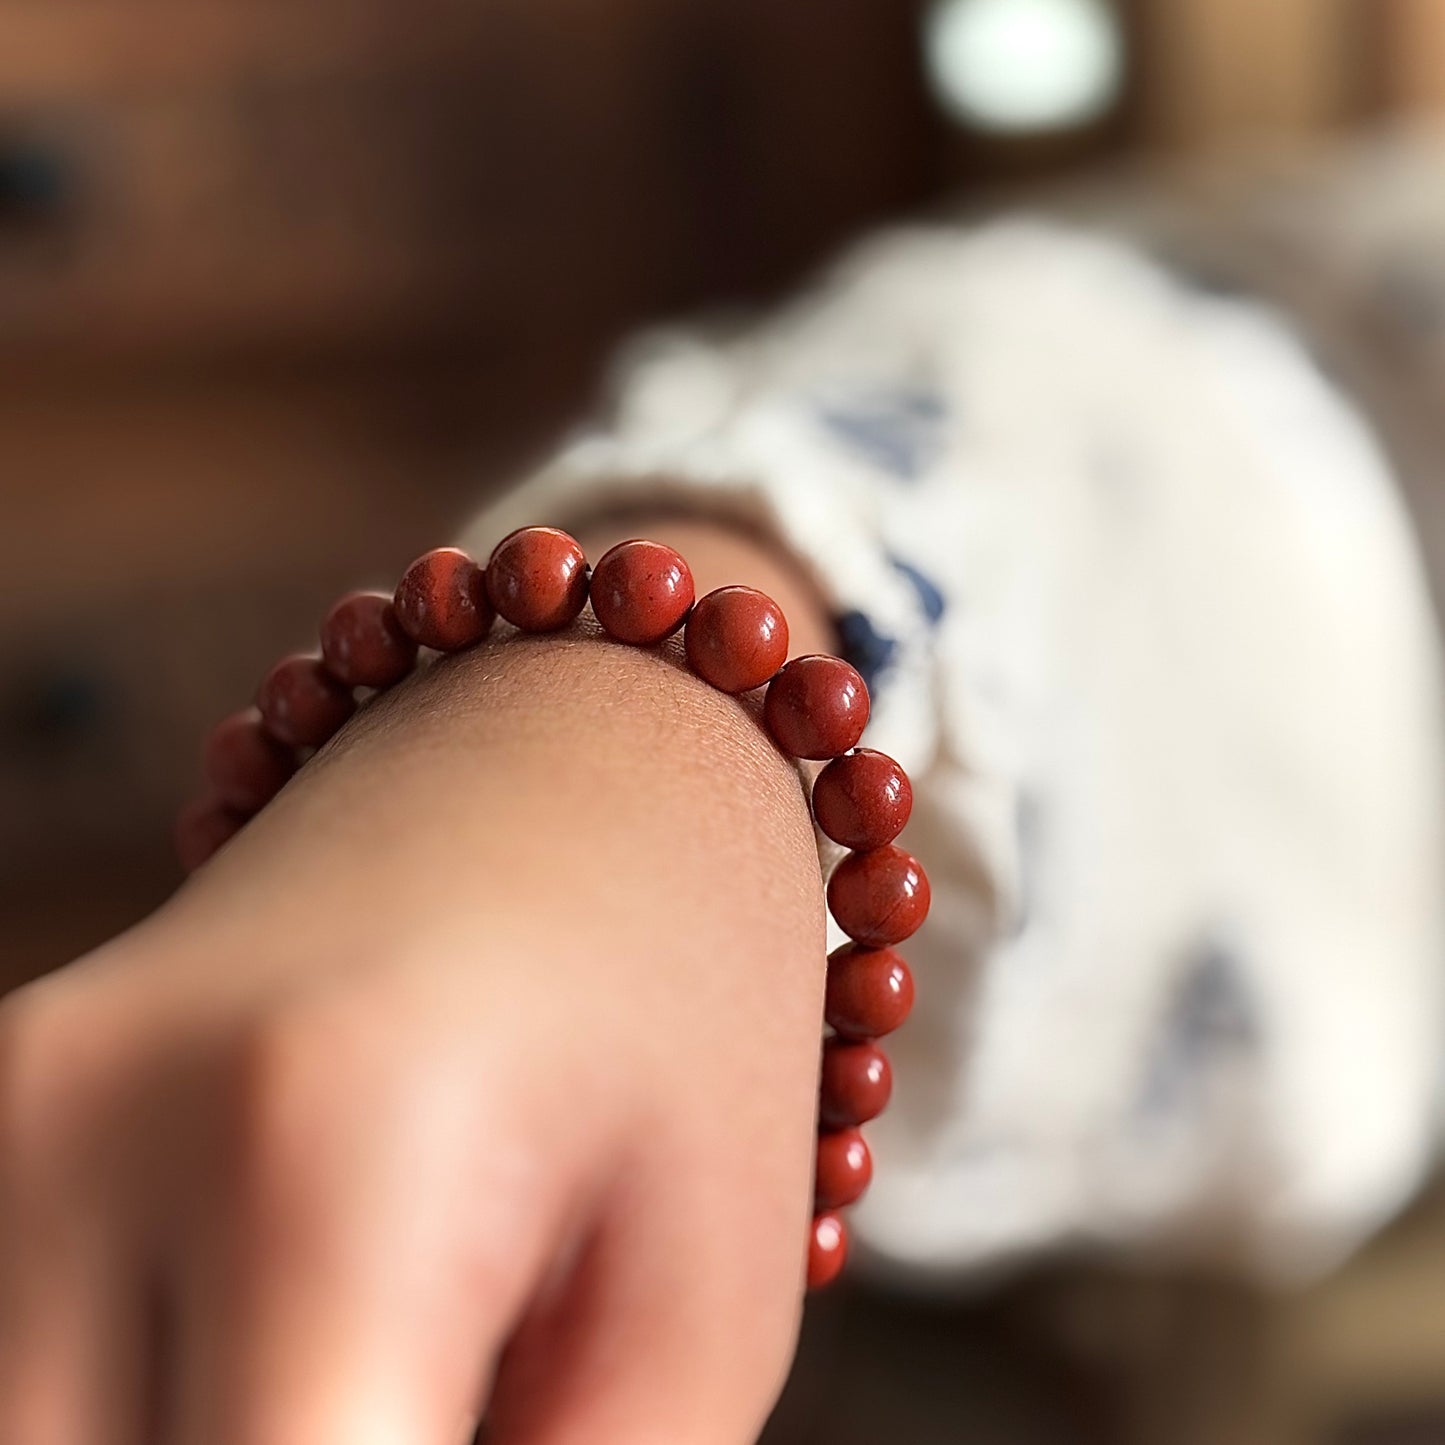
356, 1272
658, 1335
74, 1339
73, 1351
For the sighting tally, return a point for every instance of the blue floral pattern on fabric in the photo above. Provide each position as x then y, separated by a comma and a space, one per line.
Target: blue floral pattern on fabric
1210, 1020
865, 647
900, 433
873, 652
930, 596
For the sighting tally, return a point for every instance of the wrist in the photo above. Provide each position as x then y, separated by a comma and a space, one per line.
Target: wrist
615, 796
600, 787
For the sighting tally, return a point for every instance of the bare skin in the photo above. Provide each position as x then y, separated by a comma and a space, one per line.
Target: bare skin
478, 1071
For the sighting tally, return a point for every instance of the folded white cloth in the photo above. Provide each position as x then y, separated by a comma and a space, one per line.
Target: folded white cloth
1143, 615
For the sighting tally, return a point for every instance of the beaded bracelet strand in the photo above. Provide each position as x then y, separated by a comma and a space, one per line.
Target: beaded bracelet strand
735, 639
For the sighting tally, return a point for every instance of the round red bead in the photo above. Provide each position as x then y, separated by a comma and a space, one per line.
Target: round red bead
862, 800
737, 639
856, 1083
362, 642
641, 592
537, 579
845, 1168
245, 766
869, 991
816, 707
301, 704
827, 1250
441, 601
879, 897
203, 827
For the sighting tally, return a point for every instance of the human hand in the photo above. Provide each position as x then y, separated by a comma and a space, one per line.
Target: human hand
479, 1070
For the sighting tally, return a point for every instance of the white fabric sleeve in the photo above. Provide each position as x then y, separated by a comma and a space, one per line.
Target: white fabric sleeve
1143, 616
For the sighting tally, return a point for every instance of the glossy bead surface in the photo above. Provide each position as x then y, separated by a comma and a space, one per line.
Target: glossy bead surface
862, 800
245, 766
869, 991
855, 1085
641, 592
203, 827
441, 601
816, 707
362, 643
879, 897
827, 1250
301, 704
537, 579
737, 639
845, 1168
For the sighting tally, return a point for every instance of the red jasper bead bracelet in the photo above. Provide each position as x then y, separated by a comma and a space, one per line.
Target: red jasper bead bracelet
735, 639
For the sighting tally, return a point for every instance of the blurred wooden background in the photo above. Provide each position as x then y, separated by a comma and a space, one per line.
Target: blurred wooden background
1236, 72
284, 289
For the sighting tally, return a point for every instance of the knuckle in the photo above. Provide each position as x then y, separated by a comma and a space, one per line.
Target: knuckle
289, 1107
757, 1361
774, 1346
36, 1089
749, 1310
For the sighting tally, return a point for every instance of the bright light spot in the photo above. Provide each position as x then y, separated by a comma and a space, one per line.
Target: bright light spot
1024, 65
